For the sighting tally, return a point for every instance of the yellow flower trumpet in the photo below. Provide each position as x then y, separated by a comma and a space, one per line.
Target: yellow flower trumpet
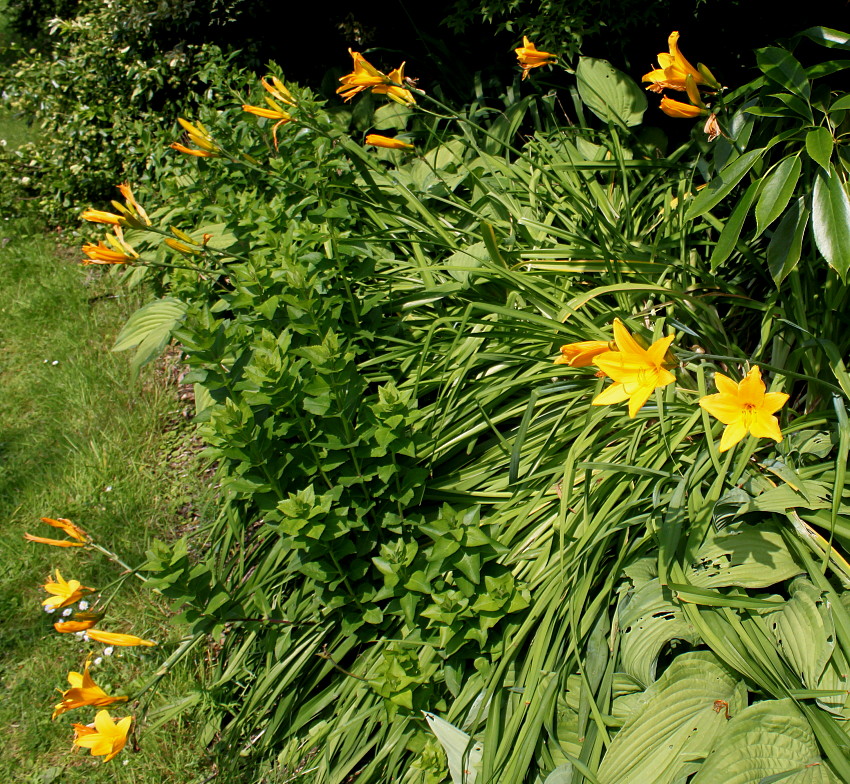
105, 738
529, 57
365, 76
83, 691
200, 137
376, 140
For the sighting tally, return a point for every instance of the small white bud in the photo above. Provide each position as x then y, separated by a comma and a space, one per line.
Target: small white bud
83, 605
49, 609
67, 611
97, 661
107, 651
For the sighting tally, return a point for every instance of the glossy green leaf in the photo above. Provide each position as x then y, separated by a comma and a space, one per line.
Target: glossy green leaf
732, 230
723, 182
831, 221
786, 244
826, 36
608, 93
777, 192
819, 144
780, 66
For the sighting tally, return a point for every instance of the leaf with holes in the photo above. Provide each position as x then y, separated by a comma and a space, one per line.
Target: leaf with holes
648, 621
751, 557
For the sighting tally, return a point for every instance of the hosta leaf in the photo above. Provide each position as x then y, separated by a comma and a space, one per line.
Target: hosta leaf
766, 739
150, 328
676, 723
462, 754
804, 631
608, 93
831, 221
751, 557
648, 621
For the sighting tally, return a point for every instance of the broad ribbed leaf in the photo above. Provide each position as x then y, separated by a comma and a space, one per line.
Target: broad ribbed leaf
648, 621
831, 221
676, 723
608, 93
766, 739
786, 244
150, 328
777, 192
804, 631
782, 67
751, 557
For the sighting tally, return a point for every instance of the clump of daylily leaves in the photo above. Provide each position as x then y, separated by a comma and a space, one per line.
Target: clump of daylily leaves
637, 370
105, 736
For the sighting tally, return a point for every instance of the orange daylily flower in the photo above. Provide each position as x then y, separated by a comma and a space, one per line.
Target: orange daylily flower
66, 627
64, 592
529, 57
200, 137
106, 738
679, 109
54, 542
672, 70
111, 638
275, 112
636, 371
377, 140
103, 254
132, 204
365, 76
583, 353
67, 526
83, 691
744, 408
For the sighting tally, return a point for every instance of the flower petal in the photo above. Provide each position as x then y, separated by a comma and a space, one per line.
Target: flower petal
773, 401
763, 425
732, 434
725, 385
722, 407
638, 398
616, 393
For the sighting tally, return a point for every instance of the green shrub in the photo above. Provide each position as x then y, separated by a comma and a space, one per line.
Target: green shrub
422, 513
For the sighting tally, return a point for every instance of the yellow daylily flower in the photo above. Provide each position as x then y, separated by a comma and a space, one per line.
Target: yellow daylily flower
64, 592
636, 371
200, 137
106, 738
132, 204
111, 638
744, 408
681, 110
529, 57
83, 691
376, 140
583, 353
365, 76
99, 216
672, 70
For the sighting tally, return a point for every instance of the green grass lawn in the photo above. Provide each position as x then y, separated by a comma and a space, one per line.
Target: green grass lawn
80, 439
